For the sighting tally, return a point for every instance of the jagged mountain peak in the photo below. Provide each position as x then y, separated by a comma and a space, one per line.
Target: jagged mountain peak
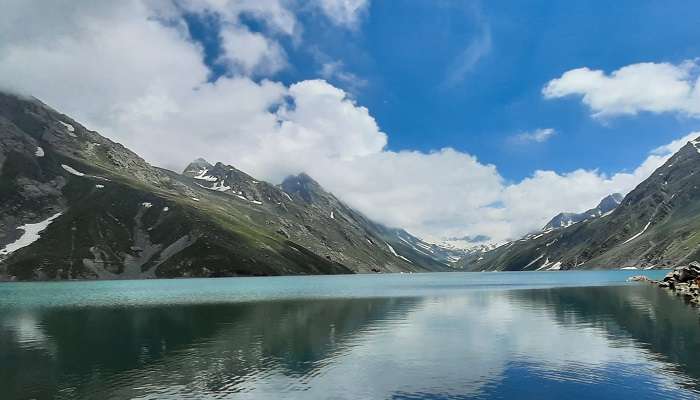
304, 186
196, 167
610, 202
566, 219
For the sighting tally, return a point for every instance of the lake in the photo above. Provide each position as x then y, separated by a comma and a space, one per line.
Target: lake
523, 335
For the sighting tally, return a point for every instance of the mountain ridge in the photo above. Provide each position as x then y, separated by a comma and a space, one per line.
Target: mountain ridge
655, 225
115, 216
566, 219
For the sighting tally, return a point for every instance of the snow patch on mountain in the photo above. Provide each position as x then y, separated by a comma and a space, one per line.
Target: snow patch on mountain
204, 177
638, 234
695, 144
31, 234
391, 249
567, 219
72, 170
69, 128
217, 187
534, 261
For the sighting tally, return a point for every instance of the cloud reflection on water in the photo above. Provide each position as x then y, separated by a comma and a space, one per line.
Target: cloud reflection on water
631, 341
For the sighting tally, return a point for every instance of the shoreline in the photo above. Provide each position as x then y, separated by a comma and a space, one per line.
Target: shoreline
683, 281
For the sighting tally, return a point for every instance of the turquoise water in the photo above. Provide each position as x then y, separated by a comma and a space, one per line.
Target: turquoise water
530, 335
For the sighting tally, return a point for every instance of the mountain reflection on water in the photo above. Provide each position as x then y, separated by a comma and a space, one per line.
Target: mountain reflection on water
631, 341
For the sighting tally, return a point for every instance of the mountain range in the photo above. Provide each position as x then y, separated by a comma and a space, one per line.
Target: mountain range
76, 205
656, 225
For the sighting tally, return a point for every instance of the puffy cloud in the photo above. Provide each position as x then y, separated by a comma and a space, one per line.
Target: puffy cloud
250, 52
651, 87
120, 69
538, 136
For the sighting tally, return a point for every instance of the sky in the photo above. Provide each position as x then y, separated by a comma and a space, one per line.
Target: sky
451, 119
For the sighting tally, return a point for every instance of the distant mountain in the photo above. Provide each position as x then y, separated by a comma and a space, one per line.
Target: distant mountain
75, 205
566, 219
655, 225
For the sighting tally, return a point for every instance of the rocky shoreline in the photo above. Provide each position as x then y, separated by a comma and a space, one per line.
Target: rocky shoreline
683, 281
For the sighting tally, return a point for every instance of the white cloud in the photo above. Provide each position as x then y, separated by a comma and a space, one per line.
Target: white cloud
538, 136
250, 52
649, 87
344, 12
119, 70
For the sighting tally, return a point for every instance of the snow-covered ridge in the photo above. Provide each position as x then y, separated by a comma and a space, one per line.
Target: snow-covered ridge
31, 234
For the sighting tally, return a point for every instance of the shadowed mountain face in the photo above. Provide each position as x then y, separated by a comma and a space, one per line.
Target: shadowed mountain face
655, 225
75, 205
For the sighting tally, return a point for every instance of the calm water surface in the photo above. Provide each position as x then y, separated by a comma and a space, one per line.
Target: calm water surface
563, 335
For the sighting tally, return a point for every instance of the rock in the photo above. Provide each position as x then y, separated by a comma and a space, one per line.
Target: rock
638, 278
686, 275
669, 277
684, 281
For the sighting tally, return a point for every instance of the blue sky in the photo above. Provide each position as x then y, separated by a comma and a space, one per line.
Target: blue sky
447, 118
406, 53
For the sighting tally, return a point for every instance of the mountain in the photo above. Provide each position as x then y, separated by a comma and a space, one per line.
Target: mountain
566, 219
656, 225
75, 205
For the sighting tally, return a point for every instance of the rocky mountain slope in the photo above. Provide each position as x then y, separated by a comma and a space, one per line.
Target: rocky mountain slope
75, 205
655, 225
566, 219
